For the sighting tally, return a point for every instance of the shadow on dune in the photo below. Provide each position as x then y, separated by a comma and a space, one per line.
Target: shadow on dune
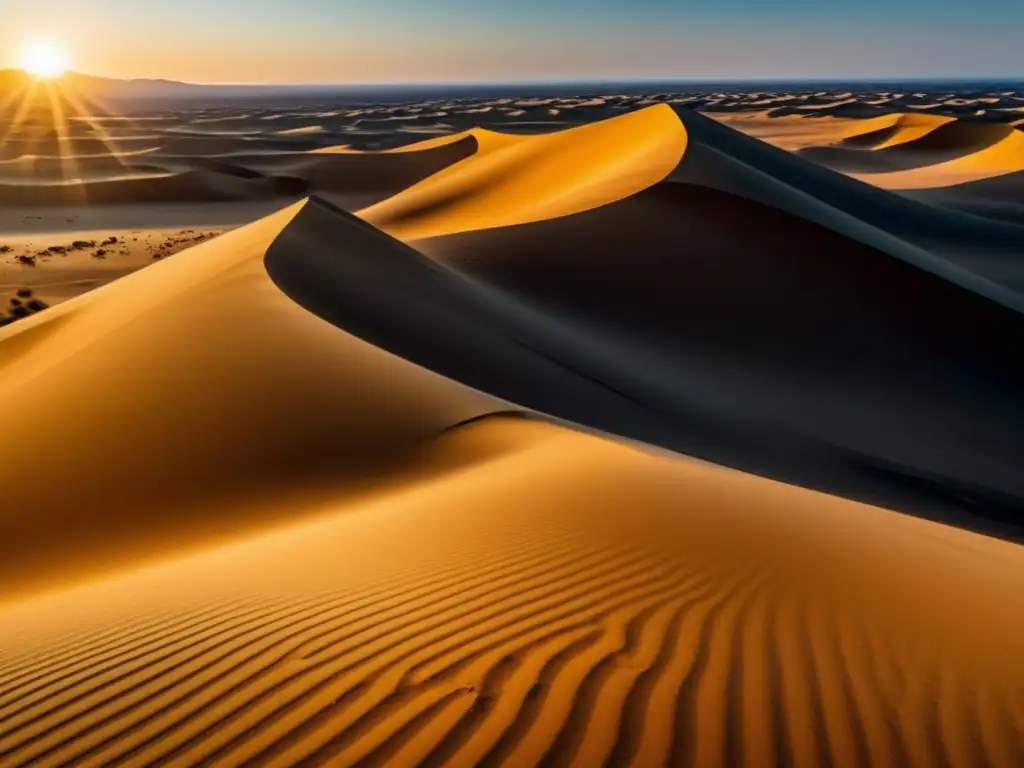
777, 347
946, 142
997, 197
727, 159
972, 250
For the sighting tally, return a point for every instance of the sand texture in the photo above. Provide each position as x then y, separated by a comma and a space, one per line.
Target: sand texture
642, 442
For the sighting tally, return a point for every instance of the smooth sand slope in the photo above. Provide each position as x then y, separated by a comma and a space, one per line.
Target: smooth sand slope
516, 179
145, 394
307, 494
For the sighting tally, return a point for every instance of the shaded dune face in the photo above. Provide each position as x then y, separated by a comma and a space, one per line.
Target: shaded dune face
777, 320
307, 494
906, 146
911, 152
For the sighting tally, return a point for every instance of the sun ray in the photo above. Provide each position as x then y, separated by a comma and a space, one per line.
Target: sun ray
68, 164
81, 105
27, 103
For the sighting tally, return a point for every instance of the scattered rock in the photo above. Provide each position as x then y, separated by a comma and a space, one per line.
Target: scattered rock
100, 254
112, 240
80, 244
27, 260
15, 302
19, 312
25, 293
36, 305
5, 249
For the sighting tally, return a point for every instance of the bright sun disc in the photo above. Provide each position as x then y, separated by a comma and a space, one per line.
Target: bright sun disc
43, 59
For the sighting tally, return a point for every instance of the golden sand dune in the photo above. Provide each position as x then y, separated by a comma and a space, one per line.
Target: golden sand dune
564, 600
186, 401
310, 495
516, 179
891, 130
899, 151
927, 141
1004, 156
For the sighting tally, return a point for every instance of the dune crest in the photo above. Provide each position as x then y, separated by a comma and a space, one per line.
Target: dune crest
196, 391
515, 179
891, 130
1003, 157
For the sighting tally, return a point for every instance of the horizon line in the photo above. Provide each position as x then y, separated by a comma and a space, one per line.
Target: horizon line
597, 80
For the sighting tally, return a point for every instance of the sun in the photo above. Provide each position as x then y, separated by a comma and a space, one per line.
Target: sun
43, 58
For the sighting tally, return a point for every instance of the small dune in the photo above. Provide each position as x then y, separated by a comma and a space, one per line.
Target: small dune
514, 179
996, 158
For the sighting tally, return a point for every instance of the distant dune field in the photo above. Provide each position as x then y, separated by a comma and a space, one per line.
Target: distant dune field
638, 442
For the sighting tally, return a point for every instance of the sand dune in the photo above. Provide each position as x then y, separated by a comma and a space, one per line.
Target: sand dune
901, 151
310, 494
371, 176
707, 324
515, 179
971, 163
189, 187
966, 249
38, 169
943, 151
187, 354
892, 130
568, 624
1000, 196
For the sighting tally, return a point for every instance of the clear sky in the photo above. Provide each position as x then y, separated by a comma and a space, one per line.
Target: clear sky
362, 41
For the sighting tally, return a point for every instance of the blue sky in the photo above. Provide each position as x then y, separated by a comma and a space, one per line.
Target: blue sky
458, 40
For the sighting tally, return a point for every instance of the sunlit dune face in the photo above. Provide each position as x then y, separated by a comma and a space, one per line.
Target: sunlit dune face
43, 59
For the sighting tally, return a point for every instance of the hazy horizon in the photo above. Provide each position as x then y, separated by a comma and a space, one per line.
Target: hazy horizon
311, 42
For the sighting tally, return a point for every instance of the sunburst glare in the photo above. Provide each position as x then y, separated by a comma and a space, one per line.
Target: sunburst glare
43, 59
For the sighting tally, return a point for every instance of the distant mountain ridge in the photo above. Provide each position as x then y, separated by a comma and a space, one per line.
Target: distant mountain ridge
16, 79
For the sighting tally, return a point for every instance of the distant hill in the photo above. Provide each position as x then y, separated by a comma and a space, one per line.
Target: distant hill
94, 94
116, 95
104, 88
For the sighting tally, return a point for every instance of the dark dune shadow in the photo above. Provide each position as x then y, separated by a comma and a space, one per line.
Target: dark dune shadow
778, 347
